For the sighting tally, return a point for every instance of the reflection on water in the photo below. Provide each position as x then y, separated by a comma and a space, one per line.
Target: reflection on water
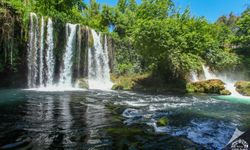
79, 119
46, 120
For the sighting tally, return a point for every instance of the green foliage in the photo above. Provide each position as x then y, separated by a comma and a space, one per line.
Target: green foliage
67, 10
169, 42
179, 45
243, 32
127, 58
154, 9
220, 59
229, 21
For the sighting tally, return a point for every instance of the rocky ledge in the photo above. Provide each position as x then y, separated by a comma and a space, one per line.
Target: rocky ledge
243, 87
213, 86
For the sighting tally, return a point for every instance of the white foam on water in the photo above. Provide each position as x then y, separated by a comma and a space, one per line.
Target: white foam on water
55, 89
211, 134
130, 113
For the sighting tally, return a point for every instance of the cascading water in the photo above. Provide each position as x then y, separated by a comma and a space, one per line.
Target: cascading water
194, 76
32, 51
98, 64
41, 53
66, 72
49, 73
44, 70
40, 63
229, 84
207, 73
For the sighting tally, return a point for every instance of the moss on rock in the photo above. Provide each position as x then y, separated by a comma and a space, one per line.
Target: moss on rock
163, 121
127, 82
243, 87
225, 92
213, 86
117, 87
82, 83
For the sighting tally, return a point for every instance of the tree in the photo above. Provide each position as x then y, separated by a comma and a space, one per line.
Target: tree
122, 5
132, 5
229, 21
154, 9
243, 32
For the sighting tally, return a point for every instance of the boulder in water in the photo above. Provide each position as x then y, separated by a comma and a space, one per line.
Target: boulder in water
225, 92
213, 86
163, 121
243, 87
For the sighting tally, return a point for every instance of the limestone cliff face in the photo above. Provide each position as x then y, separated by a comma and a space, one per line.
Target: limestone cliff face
12, 48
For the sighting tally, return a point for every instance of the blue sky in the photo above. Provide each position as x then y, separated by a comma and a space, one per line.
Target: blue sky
211, 9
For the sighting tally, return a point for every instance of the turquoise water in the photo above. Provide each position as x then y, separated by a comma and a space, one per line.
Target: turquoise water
235, 99
83, 119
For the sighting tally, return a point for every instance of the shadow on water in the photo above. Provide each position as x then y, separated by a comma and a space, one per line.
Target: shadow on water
51, 121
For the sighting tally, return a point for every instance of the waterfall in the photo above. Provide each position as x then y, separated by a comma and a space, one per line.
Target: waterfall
45, 67
229, 84
98, 64
45, 72
41, 53
32, 51
49, 54
194, 76
66, 72
207, 73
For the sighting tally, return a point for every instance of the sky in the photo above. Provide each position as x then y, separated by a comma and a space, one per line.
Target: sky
211, 9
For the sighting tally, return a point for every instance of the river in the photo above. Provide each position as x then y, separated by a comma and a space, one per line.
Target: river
94, 119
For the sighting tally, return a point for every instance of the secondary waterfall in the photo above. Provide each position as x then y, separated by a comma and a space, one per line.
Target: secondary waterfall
229, 84
208, 74
194, 76
32, 51
66, 72
98, 64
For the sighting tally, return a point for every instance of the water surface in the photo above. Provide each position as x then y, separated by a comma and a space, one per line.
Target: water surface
84, 119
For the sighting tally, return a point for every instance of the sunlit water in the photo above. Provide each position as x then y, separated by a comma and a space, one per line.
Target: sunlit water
79, 119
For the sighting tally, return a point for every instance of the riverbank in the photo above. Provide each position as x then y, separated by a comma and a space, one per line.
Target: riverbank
147, 83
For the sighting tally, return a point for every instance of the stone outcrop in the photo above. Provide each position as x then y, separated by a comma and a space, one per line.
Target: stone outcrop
213, 86
243, 87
